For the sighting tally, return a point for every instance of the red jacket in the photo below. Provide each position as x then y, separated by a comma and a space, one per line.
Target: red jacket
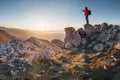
86, 12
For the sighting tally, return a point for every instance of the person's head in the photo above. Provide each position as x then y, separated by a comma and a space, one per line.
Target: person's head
86, 7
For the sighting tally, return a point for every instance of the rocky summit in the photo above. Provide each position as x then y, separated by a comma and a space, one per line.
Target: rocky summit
89, 53
98, 37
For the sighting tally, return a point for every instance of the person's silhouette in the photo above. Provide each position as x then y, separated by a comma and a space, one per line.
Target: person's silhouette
87, 12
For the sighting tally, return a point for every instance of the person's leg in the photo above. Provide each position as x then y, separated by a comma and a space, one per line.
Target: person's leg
87, 21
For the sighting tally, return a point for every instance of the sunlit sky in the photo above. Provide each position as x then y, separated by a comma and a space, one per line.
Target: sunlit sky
56, 14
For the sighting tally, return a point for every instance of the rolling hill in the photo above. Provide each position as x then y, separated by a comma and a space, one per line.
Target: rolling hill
25, 34
5, 37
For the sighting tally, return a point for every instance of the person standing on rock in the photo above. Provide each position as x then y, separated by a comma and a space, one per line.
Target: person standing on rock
87, 12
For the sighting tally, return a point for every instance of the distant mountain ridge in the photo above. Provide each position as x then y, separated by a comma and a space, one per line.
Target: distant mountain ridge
5, 37
25, 34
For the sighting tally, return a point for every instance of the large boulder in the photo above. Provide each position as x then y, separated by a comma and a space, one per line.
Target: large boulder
82, 32
97, 28
104, 25
69, 33
72, 38
88, 29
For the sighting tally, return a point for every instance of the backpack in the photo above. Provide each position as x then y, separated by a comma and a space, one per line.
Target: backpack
89, 12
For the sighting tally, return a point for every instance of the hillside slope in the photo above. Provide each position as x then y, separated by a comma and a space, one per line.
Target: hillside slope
95, 57
5, 37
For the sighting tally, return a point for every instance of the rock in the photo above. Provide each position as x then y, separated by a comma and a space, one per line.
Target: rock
11, 63
80, 66
45, 55
91, 44
104, 26
69, 33
58, 42
105, 67
13, 73
97, 28
3, 59
93, 37
84, 41
104, 36
74, 49
118, 35
82, 32
76, 41
114, 33
99, 55
84, 58
110, 44
69, 45
72, 38
99, 47
85, 73
117, 46
116, 59
113, 64
89, 30
3, 77
18, 55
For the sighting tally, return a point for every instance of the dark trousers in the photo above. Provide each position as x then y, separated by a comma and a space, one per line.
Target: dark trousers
87, 20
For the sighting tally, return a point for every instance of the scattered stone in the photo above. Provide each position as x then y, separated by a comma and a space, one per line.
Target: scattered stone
117, 46
3, 59
105, 67
84, 41
99, 55
93, 37
114, 33
84, 58
113, 64
99, 47
19, 54
74, 49
69, 45
91, 44
110, 44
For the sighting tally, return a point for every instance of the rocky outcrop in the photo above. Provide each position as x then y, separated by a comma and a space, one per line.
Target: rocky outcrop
19, 54
72, 38
98, 37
